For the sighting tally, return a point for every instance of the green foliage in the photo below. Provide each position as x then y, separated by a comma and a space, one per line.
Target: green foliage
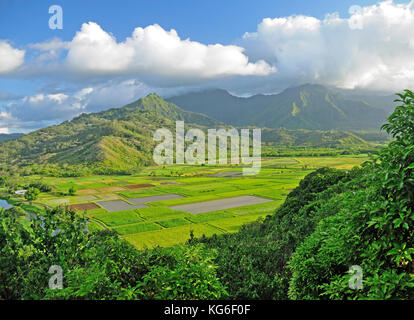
72, 191
373, 227
31, 194
15, 211
189, 274
252, 262
42, 186
96, 265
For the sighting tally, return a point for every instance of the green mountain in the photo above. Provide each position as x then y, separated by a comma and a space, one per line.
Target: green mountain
312, 138
116, 139
121, 139
311, 107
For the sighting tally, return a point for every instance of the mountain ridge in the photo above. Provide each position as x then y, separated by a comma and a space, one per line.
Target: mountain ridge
310, 106
121, 139
118, 138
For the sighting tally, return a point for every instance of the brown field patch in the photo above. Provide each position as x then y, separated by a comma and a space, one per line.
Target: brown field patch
109, 196
137, 186
190, 174
86, 191
111, 189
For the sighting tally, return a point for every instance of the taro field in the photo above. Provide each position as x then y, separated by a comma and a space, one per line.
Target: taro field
161, 205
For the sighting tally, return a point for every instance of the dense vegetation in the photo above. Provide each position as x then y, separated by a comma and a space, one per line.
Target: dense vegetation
333, 220
96, 265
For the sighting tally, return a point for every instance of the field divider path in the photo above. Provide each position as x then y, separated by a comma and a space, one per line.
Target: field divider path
99, 222
215, 227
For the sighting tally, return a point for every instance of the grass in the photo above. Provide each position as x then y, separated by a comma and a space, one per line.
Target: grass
119, 218
137, 228
171, 223
170, 236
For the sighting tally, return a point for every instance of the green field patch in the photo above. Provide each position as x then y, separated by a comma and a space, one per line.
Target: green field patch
94, 212
171, 223
274, 194
137, 228
209, 216
118, 218
170, 236
94, 226
31, 208
91, 186
158, 213
261, 208
198, 180
234, 224
209, 188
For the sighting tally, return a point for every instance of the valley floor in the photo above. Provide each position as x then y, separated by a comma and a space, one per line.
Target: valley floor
163, 204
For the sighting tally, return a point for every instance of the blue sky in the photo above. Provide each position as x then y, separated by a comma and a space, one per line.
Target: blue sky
51, 75
207, 21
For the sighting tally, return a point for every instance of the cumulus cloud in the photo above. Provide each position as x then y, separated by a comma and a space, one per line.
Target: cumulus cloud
372, 49
156, 52
4, 122
34, 111
10, 58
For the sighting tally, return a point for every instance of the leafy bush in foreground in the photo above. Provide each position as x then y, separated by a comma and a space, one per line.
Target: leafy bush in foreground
374, 228
97, 265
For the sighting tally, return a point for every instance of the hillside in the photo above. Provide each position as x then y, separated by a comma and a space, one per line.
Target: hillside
311, 107
312, 138
115, 139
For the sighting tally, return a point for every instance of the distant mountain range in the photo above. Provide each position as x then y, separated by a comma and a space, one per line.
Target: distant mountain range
311, 107
121, 139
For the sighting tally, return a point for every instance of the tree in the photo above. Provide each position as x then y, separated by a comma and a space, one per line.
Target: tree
31, 194
72, 191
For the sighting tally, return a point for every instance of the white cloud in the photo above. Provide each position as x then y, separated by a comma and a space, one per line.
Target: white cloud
379, 55
55, 107
10, 58
154, 51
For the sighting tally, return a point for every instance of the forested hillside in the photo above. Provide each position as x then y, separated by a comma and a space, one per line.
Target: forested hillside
312, 138
115, 140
